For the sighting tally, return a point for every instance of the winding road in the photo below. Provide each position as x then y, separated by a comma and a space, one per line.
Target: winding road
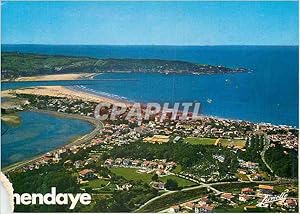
210, 186
262, 154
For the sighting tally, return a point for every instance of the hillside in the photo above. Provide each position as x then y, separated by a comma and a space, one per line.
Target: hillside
19, 64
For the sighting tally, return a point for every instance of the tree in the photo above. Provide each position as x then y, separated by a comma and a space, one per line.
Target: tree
104, 156
88, 190
155, 177
171, 184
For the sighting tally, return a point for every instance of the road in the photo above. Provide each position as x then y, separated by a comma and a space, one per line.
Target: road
98, 126
262, 154
209, 186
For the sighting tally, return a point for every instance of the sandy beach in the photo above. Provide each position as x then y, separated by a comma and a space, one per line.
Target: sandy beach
12, 119
60, 91
55, 77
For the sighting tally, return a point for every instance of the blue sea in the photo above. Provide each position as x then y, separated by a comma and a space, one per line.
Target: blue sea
269, 93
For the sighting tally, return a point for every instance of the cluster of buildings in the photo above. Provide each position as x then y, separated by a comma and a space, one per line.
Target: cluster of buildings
287, 136
200, 205
248, 199
161, 132
250, 170
64, 105
48, 158
57, 155
288, 140
209, 127
159, 167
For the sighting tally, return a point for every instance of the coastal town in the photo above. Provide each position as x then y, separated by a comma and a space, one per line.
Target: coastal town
149, 106
125, 154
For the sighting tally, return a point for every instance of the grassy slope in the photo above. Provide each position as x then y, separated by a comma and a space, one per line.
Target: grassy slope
97, 183
131, 174
198, 140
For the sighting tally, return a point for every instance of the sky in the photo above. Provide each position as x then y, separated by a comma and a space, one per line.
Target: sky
150, 23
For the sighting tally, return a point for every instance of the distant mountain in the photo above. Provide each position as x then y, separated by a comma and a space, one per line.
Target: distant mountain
20, 64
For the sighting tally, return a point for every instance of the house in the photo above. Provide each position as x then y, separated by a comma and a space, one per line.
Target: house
87, 174
256, 177
171, 164
266, 187
174, 209
153, 164
247, 191
136, 162
227, 196
108, 162
290, 203
244, 197
145, 163
242, 171
203, 208
203, 200
177, 139
78, 164
118, 161
251, 165
189, 205
264, 190
161, 166
62, 152
158, 185
126, 162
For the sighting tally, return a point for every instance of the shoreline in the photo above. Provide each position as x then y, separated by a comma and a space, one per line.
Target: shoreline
11, 119
90, 76
98, 125
103, 95
62, 92
130, 102
73, 92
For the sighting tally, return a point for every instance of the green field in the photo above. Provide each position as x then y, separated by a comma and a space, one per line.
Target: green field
233, 142
200, 140
181, 182
97, 183
177, 169
242, 177
131, 174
